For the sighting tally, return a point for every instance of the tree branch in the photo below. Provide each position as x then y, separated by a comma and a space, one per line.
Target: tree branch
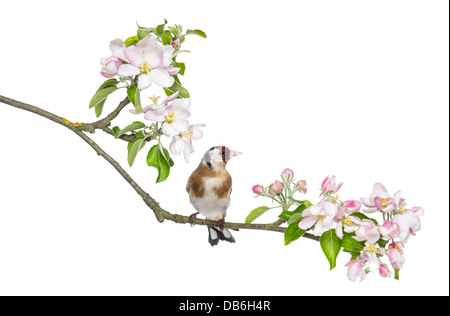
160, 213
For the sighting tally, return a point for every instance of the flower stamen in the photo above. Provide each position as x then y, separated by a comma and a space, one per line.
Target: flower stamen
145, 67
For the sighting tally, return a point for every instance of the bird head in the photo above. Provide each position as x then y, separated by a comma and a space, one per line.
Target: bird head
218, 156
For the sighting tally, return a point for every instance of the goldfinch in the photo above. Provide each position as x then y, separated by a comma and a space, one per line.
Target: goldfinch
209, 189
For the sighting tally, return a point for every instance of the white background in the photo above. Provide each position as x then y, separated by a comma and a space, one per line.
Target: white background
356, 89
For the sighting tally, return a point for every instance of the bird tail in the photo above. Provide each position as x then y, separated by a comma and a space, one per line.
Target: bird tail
216, 234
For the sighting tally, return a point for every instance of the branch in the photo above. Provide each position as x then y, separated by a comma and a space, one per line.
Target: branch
160, 213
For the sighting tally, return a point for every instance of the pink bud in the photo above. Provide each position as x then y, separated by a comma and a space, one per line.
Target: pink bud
277, 187
257, 189
329, 185
174, 45
301, 186
384, 270
352, 206
110, 67
287, 175
390, 230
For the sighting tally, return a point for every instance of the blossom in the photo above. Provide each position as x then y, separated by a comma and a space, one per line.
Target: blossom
384, 271
173, 113
349, 224
110, 66
117, 48
287, 175
277, 187
355, 270
367, 230
390, 230
395, 254
321, 216
370, 254
182, 143
150, 61
257, 189
300, 186
408, 222
329, 185
378, 200
352, 206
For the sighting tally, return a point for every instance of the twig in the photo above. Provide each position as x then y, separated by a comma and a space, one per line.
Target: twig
159, 212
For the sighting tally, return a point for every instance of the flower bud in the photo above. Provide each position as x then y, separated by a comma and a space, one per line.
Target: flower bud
301, 186
329, 185
287, 175
390, 230
384, 270
110, 67
257, 189
277, 187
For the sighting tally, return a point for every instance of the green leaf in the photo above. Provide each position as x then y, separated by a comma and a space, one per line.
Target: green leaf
286, 215
101, 95
142, 32
257, 212
362, 216
160, 161
135, 97
132, 127
160, 28
196, 32
182, 67
99, 98
331, 245
397, 274
135, 147
350, 244
382, 242
166, 37
183, 93
99, 108
293, 232
116, 130
133, 40
108, 83
173, 29
294, 218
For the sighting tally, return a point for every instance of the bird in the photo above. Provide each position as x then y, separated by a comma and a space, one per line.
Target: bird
209, 189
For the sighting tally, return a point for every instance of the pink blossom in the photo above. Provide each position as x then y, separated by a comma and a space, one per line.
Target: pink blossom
384, 270
329, 185
300, 186
320, 216
150, 61
257, 189
408, 222
367, 230
349, 224
352, 206
287, 175
378, 200
395, 254
182, 143
110, 66
390, 230
277, 187
355, 270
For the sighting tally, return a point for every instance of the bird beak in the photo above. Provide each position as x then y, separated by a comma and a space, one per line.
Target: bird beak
234, 153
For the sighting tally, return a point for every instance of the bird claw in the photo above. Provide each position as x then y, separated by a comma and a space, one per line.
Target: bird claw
221, 223
192, 217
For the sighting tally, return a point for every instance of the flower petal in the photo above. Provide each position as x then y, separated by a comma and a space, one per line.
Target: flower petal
134, 55
307, 222
144, 81
161, 77
128, 70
